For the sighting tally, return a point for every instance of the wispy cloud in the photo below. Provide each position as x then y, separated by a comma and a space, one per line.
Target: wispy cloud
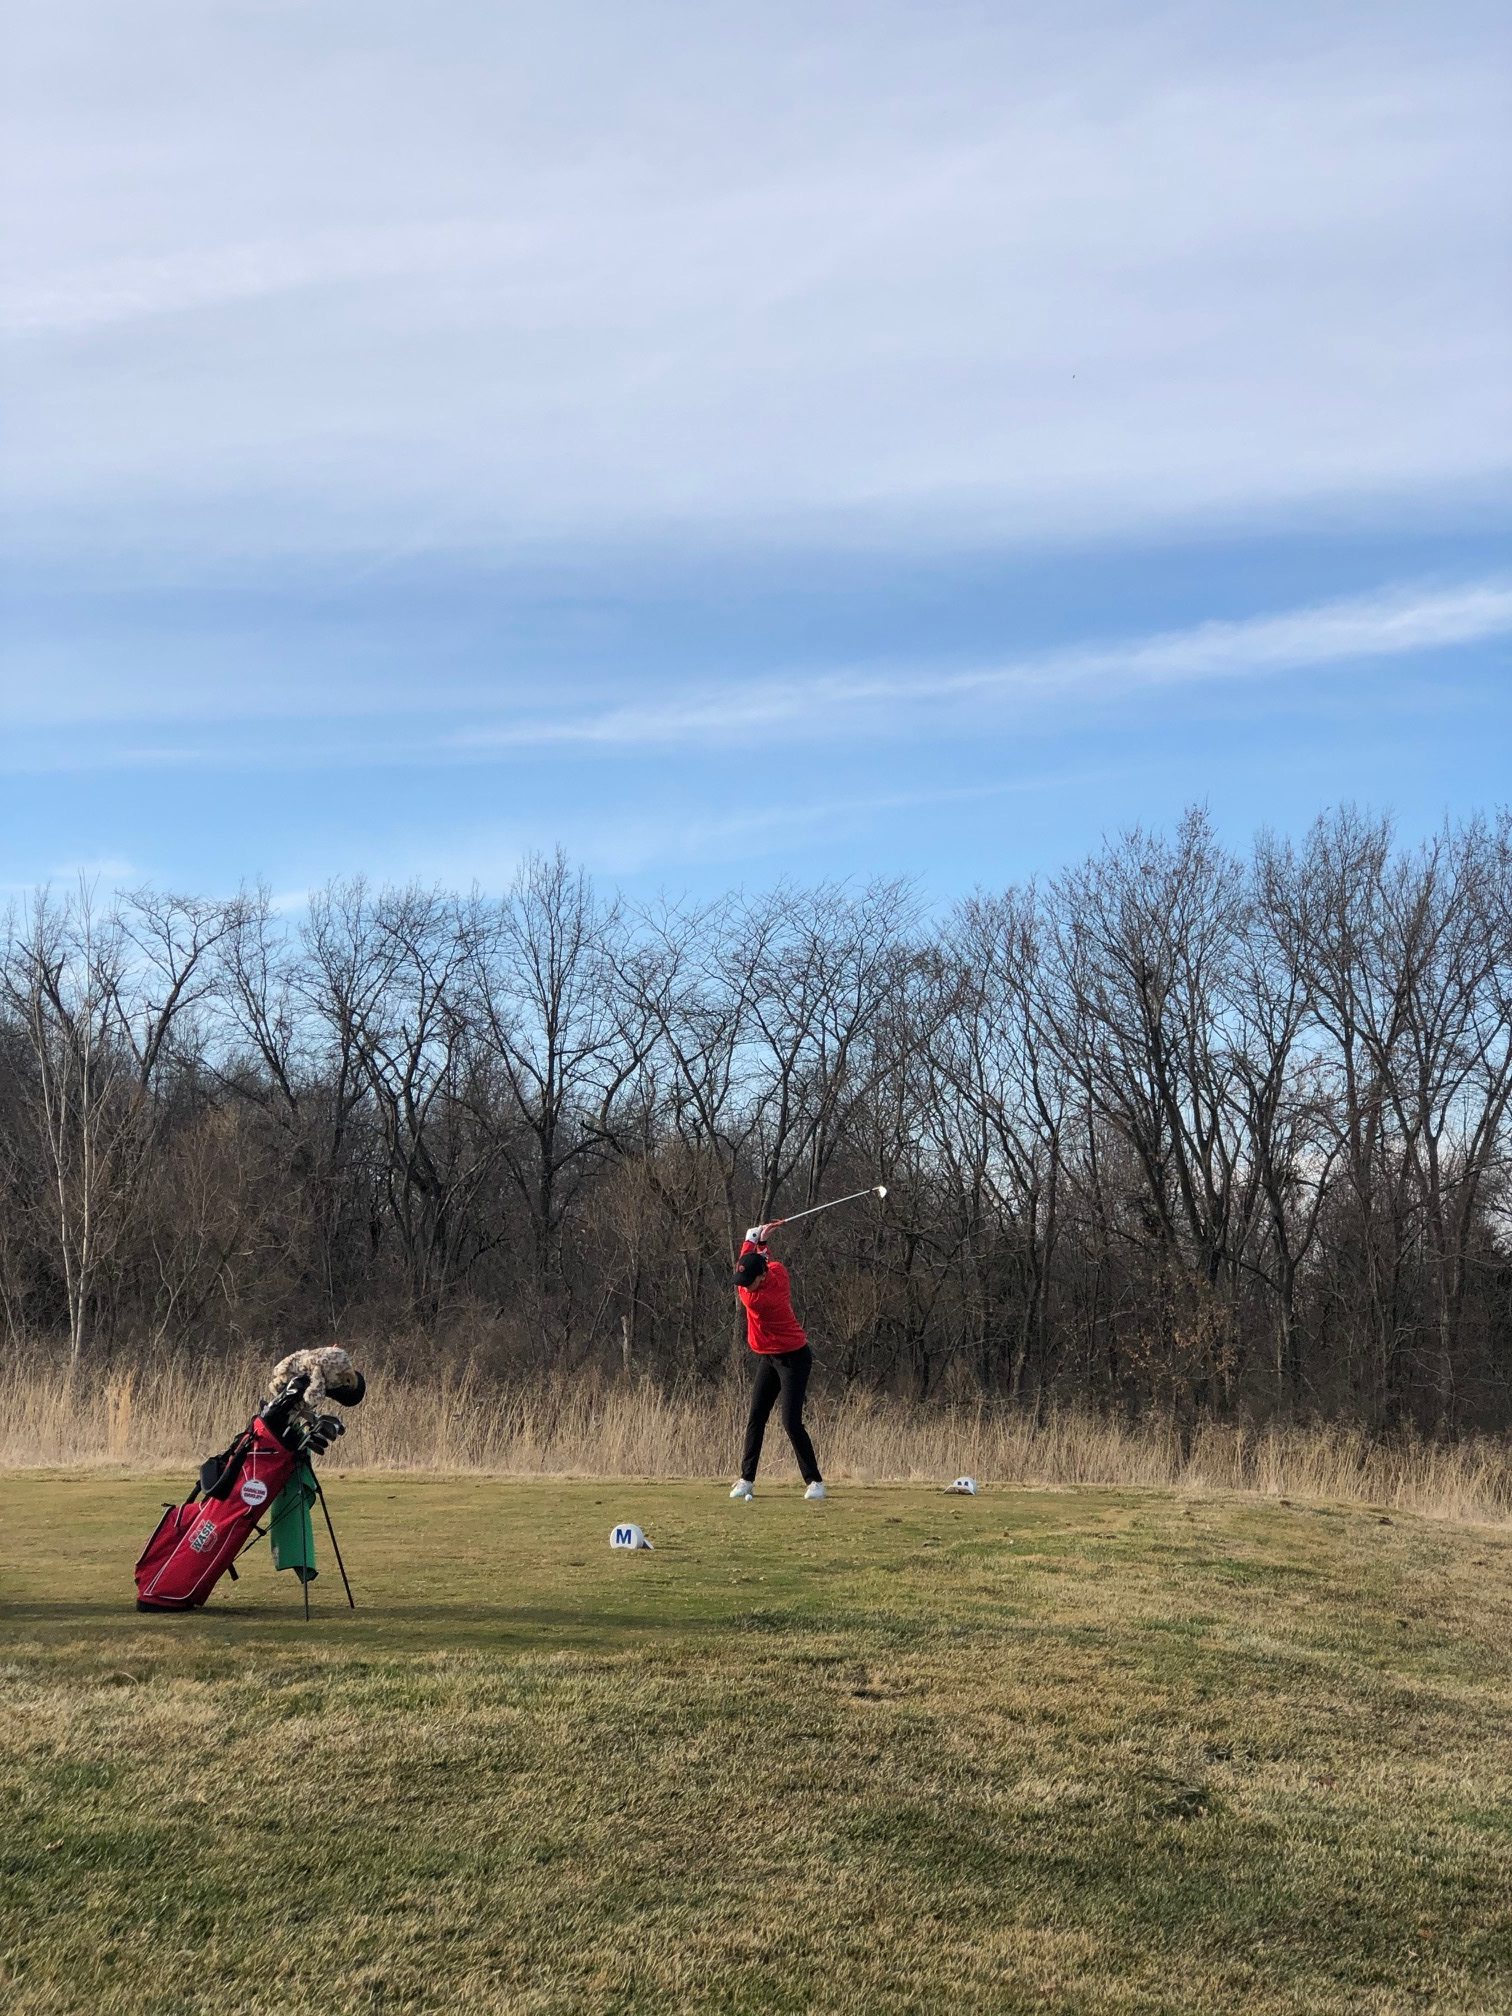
1043, 272
111, 869
64, 759
1395, 623
108, 872
398, 723
435, 432
96, 297
667, 840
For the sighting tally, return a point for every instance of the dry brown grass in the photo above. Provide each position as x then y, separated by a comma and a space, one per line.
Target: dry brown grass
468, 1423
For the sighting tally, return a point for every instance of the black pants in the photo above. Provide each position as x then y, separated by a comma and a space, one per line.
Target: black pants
787, 1373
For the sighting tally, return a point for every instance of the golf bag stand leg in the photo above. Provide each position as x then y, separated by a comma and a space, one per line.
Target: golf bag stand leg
335, 1544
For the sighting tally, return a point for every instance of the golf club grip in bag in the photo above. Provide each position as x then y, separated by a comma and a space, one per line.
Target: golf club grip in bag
196, 1542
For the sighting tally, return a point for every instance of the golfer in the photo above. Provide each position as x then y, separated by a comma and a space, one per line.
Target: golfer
783, 1362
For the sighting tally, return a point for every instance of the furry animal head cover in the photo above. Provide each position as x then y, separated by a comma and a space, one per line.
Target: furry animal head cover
331, 1374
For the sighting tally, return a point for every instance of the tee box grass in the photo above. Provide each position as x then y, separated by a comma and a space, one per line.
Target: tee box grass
1089, 1752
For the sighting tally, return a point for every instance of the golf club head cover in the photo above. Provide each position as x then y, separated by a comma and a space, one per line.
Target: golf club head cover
348, 1396
323, 1432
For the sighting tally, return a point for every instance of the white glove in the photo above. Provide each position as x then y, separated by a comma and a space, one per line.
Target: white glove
756, 1234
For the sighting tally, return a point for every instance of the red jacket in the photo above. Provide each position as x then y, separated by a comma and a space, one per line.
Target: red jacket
771, 1326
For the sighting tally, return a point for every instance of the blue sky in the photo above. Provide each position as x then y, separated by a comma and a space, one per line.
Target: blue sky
747, 442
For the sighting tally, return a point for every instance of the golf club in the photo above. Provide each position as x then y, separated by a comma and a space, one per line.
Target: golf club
771, 1224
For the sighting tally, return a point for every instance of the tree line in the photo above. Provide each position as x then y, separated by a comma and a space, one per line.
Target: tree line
1176, 1129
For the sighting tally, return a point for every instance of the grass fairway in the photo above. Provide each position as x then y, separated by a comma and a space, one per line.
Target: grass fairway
1090, 1751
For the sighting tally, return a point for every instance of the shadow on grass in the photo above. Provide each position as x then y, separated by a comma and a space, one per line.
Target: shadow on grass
437, 1626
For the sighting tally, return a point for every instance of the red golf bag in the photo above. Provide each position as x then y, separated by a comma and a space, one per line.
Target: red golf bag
197, 1542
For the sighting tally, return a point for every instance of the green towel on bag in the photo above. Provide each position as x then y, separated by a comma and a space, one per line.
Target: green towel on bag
291, 1531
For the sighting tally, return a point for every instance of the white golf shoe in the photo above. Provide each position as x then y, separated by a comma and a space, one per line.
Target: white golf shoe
814, 1491
744, 1490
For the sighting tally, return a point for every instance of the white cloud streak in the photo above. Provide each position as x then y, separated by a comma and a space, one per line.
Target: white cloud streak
357, 727
1393, 624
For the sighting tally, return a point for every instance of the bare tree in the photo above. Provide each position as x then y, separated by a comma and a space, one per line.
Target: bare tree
99, 996
547, 1014
1176, 1131
1406, 958
1283, 1095
810, 970
1143, 942
997, 1101
393, 971
291, 1052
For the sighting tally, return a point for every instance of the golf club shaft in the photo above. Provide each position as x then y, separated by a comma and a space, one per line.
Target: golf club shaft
814, 1209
